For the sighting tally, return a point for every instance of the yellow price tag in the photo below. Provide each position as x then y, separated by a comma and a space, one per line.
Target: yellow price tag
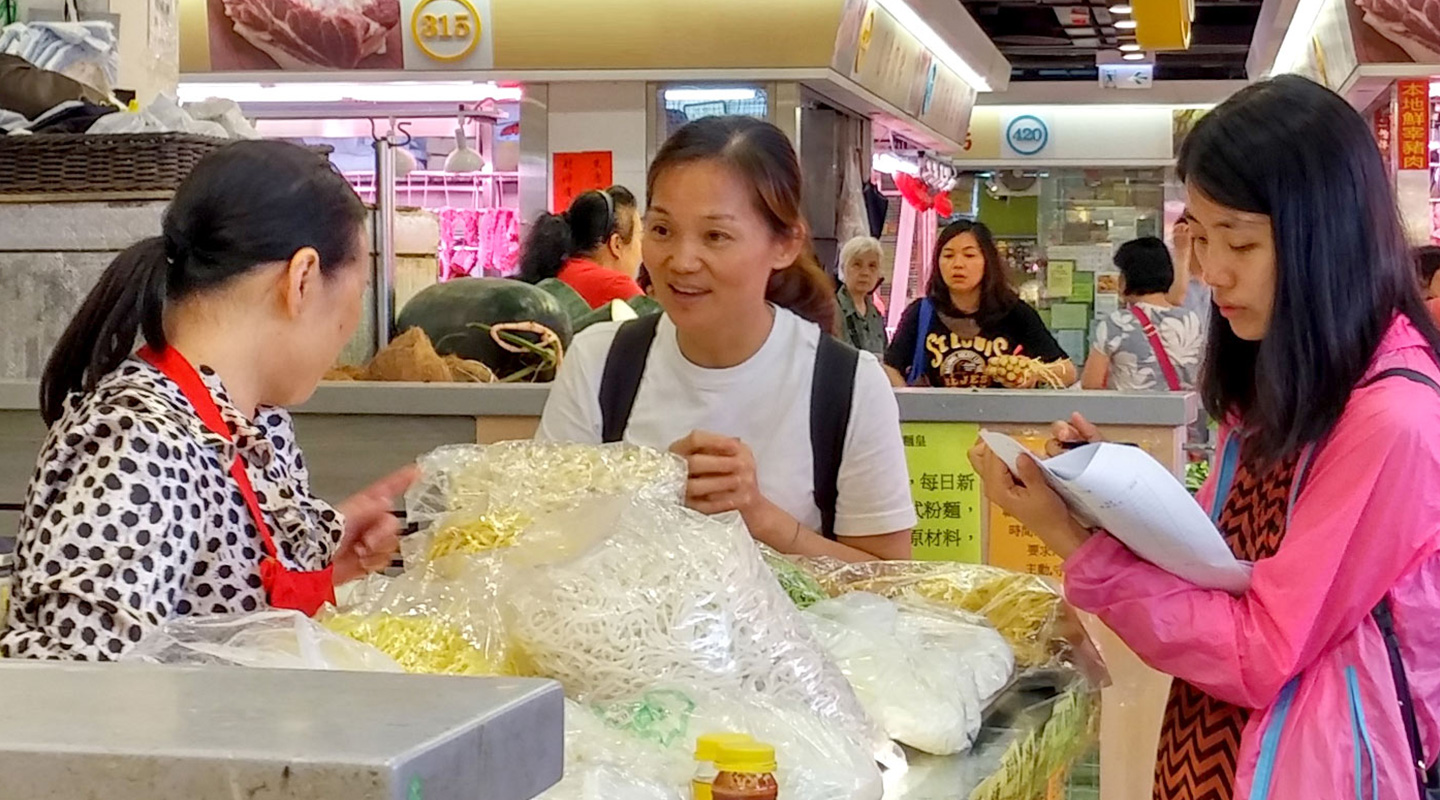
445, 30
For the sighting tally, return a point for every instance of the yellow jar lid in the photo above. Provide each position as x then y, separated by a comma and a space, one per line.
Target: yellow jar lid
746, 758
708, 747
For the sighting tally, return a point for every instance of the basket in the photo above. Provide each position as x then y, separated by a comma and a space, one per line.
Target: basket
120, 165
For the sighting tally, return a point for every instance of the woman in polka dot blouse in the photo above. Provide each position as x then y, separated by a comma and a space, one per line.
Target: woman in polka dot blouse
170, 484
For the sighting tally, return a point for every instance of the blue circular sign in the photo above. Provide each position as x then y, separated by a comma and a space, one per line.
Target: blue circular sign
1027, 135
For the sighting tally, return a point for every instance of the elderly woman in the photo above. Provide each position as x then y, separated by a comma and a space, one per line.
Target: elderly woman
864, 326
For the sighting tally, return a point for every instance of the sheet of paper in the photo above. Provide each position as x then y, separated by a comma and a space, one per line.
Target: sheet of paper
1059, 278
1082, 289
1069, 316
1074, 344
1106, 303
1130, 495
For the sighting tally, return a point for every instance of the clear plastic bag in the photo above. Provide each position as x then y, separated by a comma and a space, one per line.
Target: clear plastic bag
274, 639
1027, 610
477, 498
925, 674
443, 618
622, 594
653, 734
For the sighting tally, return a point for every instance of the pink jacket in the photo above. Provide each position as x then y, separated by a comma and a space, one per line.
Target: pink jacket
1300, 646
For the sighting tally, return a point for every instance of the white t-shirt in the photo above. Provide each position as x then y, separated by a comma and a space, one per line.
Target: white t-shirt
764, 402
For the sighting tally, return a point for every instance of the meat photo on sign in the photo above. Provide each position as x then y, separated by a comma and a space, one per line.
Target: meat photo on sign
1398, 31
305, 34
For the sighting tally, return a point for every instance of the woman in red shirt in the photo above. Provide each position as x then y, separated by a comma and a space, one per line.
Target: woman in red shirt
594, 246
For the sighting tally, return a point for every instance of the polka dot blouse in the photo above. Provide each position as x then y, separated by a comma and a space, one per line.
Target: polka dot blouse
132, 518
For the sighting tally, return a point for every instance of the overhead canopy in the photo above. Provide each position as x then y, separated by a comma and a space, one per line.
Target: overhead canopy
918, 62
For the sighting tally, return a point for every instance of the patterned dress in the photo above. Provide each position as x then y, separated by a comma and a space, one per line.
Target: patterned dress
1200, 738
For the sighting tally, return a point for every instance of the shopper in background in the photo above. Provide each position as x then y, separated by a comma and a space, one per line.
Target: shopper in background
968, 316
168, 490
1149, 345
1189, 290
1323, 362
729, 375
1427, 262
863, 325
594, 246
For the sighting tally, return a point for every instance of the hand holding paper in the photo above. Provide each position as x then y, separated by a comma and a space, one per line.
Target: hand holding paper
1131, 496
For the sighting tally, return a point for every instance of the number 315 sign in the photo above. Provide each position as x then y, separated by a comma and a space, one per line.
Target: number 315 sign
448, 34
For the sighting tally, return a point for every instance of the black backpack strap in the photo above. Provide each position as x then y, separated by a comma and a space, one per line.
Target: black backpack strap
831, 396
624, 367
1427, 774
1408, 374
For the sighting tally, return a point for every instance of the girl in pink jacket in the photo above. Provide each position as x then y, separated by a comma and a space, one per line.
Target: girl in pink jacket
1323, 359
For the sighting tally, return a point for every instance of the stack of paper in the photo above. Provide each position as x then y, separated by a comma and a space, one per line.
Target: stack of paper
1135, 499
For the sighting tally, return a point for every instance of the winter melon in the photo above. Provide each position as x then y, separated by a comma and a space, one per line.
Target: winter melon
448, 313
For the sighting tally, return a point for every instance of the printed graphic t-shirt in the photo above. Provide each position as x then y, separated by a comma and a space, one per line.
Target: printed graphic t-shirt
956, 349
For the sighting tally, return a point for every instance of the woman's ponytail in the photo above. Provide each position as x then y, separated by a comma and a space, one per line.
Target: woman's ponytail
804, 288
246, 204
547, 247
129, 300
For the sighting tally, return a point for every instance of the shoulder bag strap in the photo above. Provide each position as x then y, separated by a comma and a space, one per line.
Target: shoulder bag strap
832, 394
922, 329
1172, 378
624, 367
1427, 774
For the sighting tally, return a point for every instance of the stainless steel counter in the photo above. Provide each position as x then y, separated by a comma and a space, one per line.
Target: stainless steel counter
139, 732
917, 405
353, 433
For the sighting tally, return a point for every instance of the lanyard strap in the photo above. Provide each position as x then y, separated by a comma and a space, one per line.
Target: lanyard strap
170, 362
1172, 378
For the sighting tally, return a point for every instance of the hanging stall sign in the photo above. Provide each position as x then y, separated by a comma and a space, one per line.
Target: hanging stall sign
1414, 127
945, 489
577, 173
310, 36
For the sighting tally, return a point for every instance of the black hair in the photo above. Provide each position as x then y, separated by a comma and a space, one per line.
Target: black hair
1296, 152
246, 204
1146, 265
997, 297
1427, 263
586, 226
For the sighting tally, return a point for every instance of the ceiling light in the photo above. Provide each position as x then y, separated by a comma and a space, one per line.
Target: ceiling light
1134, 56
453, 92
731, 94
1127, 24
920, 29
1130, 47
1121, 9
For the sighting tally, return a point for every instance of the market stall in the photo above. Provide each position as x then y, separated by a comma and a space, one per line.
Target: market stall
351, 431
1384, 57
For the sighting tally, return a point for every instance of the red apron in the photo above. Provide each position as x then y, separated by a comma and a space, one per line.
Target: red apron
285, 588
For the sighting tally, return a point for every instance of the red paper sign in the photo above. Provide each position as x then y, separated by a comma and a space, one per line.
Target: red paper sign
578, 173
1412, 128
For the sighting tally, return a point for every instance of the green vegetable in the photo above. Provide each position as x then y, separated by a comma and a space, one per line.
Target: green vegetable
804, 590
1196, 475
455, 314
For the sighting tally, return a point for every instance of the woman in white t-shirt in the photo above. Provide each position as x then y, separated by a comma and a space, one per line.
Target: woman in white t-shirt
724, 378
1149, 344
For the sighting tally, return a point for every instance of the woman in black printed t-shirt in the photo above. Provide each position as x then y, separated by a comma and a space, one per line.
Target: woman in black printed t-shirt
968, 316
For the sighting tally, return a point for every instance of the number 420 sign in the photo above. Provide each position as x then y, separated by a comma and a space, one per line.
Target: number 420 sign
448, 32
